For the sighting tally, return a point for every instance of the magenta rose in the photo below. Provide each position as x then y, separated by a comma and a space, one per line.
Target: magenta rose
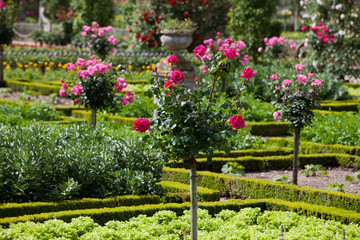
199, 51
277, 115
168, 85
172, 59
142, 124
176, 76
2, 4
248, 73
237, 122
230, 53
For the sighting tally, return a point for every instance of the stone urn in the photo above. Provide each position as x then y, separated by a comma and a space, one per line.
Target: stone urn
176, 40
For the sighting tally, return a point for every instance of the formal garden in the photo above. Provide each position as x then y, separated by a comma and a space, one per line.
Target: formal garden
180, 119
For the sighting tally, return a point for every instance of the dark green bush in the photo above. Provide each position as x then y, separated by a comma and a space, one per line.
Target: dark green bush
54, 162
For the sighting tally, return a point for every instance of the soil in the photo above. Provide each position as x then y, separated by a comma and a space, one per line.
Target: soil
57, 101
334, 175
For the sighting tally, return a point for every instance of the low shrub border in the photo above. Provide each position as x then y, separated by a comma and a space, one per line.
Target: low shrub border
269, 128
37, 87
353, 85
266, 163
204, 194
256, 188
104, 215
177, 193
252, 152
310, 147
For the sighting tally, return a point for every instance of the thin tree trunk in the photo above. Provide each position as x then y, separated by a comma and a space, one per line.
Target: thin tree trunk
193, 203
296, 156
2, 82
93, 117
223, 87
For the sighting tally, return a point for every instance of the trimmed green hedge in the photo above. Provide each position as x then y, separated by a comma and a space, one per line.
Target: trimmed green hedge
104, 215
269, 128
37, 87
18, 209
256, 188
67, 110
339, 106
353, 85
279, 162
252, 152
204, 194
310, 147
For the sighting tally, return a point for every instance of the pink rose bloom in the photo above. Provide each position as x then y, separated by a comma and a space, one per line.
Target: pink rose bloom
277, 115
292, 47
121, 84
94, 24
83, 34
303, 28
130, 99
326, 39
70, 66
241, 44
260, 49
209, 42
299, 67
142, 124
110, 38
125, 39
277, 88
129, 93
172, 59
62, 80
310, 75
199, 51
245, 60
102, 68
196, 79
101, 33
205, 69
274, 77
64, 86
291, 42
114, 41
86, 28
80, 62
168, 85
93, 36
2, 4
317, 82
248, 73
176, 76
228, 41
266, 41
301, 78
237, 122
124, 101
286, 82
62, 92
76, 90
321, 24
109, 28
231, 53
92, 70
332, 36
84, 73
325, 30
314, 28
218, 33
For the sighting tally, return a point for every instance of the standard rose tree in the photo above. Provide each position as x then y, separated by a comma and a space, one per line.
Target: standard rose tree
295, 102
96, 86
190, 121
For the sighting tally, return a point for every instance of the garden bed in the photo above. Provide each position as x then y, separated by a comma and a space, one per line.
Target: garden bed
334, 175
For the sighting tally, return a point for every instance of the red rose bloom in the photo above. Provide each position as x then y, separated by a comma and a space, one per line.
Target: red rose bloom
186, 14
172, 59
168, 85
199, 51
173, 2
248, 73
142, 124
176, 76
237, 122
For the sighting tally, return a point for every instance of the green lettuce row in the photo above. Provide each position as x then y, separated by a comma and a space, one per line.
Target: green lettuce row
123, 213
257, 188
